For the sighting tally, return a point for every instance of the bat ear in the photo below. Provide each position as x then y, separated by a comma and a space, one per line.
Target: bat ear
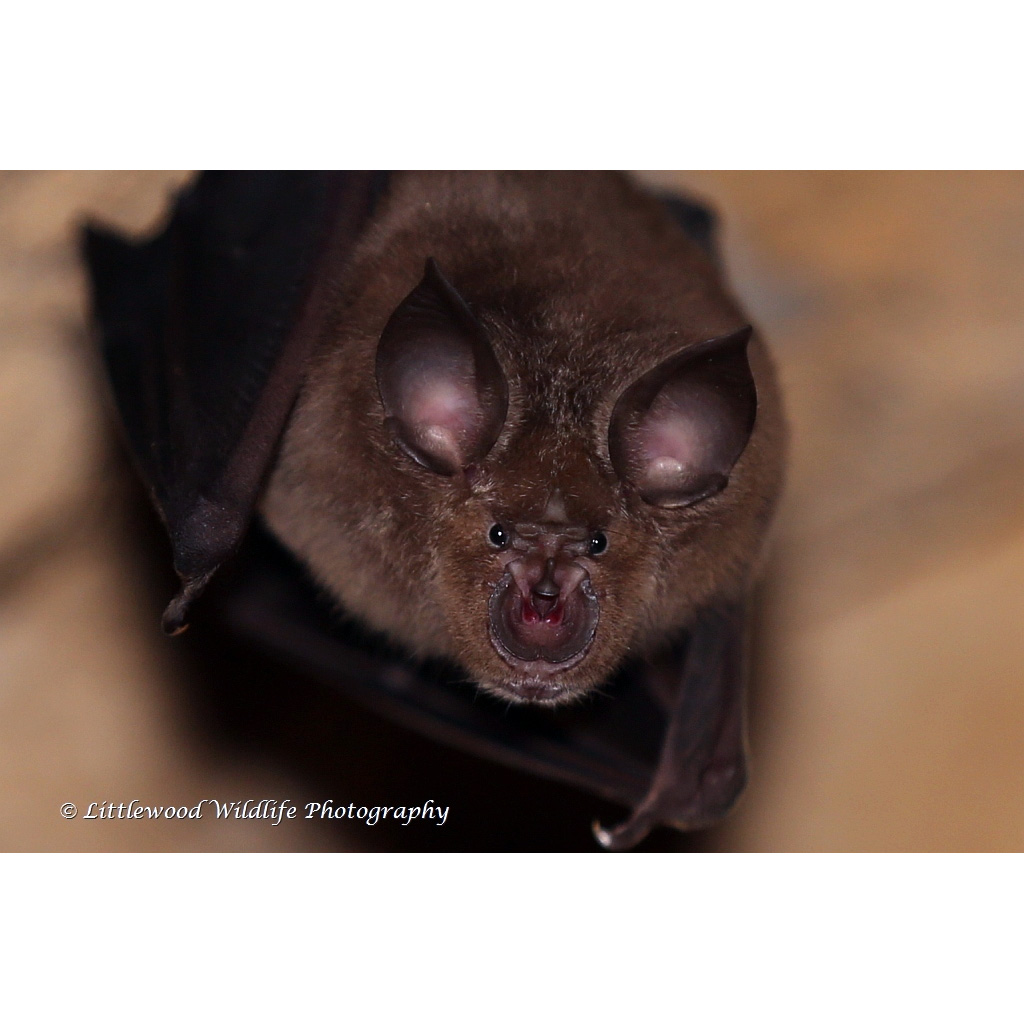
444, 394
676, 433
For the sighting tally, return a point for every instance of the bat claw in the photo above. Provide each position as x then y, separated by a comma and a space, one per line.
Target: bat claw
633, 830
720, 785
175, 613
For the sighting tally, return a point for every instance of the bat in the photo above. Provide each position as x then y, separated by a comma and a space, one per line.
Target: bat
512, 424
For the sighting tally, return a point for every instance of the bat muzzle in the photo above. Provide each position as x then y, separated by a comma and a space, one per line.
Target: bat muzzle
543, 615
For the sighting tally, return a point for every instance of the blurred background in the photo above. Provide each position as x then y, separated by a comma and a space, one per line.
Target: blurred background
888, 700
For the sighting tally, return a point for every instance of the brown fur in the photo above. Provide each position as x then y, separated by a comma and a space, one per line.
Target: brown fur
583, 283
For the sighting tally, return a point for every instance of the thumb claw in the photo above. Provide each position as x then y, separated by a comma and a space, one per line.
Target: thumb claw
635, 829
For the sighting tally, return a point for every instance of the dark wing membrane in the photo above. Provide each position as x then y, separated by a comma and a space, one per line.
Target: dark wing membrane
702, 767
206, 329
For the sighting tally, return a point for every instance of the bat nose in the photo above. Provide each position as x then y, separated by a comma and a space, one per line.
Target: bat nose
546, 590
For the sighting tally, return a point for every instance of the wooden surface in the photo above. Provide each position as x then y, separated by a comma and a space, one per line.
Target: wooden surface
889, 699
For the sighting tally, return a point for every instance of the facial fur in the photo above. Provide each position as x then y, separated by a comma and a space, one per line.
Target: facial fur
581, 284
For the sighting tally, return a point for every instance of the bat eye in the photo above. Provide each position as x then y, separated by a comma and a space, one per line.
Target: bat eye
498, 536
598, 543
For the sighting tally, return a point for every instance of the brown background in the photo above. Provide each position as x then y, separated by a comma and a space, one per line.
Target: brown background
888, 705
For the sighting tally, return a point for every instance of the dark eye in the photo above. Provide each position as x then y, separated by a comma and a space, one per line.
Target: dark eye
498, 536
598, 543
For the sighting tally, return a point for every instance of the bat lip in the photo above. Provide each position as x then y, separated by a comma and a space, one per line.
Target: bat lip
538, 667
552, 645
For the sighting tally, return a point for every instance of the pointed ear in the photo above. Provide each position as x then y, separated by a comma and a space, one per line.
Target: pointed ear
676, 433
444, 394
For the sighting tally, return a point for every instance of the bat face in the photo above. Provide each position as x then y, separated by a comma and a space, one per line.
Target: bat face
536, 437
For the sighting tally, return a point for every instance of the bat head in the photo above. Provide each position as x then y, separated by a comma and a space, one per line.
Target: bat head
528, 473
543, 547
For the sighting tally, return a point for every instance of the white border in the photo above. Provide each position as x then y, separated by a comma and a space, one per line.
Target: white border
535, 84
496, 938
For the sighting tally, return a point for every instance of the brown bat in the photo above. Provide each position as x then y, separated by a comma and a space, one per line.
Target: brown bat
509, 420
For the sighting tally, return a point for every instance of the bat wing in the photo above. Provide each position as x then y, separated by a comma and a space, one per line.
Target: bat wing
702, 764
206, 329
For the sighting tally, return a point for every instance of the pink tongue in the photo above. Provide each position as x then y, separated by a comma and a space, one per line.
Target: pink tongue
544, 609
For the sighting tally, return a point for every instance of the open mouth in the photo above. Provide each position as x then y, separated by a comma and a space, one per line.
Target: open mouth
544, 631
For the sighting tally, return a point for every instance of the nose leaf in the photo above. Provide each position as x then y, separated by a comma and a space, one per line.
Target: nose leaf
546, 591
543, 610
